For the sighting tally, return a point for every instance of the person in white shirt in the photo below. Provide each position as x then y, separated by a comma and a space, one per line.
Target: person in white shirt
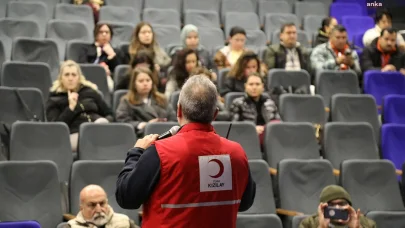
383, 20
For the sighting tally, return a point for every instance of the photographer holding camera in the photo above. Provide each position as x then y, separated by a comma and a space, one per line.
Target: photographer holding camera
335, 210
336, 53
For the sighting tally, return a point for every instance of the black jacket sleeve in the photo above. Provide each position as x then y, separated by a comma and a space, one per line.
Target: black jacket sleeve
54, 114
367, 61
249, 195
138, 178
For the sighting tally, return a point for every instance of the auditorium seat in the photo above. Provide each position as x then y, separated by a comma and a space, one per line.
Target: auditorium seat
379, 84
135, 4
303, 9
167, 34
96, 74
31, 75
258, 221
264, 201
31, 11
266, 7
30, 190
96, 142
236, 6
245, 20
356, 108
20, 224
202, 18
345, 141
302, 108
32, 141
230, 97
103, 173
388, 218
340, 9
117, 98
63, 31
330, 82
174, 99
37, 50
162, 16
311, 23
2, 55
211, 37
72, 12
206, 5
394, 109
74, 48
255, 38
300, 183
281, 77
12, 109
372, 185
393, 143
159, 127
289, 140
167, 4
50, 6
10, 29
244, 133
3, 8
357, 25
358, 41
222, 74
120, 14
62, 225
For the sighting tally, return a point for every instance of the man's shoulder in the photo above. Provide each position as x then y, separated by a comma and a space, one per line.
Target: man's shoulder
366, 222
310, 221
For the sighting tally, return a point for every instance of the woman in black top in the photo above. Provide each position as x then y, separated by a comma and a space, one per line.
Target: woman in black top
74, 100
101, 52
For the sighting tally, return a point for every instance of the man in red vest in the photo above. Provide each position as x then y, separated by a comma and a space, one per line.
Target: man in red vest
193, 179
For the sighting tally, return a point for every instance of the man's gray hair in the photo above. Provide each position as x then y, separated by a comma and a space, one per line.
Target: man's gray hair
198, 99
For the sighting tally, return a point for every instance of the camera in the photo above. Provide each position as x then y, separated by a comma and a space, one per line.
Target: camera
334, 213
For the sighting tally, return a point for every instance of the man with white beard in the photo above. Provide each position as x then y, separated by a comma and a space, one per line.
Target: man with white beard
95, 211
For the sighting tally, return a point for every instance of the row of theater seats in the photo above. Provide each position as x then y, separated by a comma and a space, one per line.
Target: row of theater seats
372, 185
167, 21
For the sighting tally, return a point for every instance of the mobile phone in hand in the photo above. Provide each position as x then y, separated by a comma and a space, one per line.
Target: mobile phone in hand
334, 213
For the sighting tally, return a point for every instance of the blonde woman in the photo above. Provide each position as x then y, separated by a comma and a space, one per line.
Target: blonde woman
74, 100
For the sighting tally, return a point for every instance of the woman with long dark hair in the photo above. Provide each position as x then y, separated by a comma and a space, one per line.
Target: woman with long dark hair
185, 62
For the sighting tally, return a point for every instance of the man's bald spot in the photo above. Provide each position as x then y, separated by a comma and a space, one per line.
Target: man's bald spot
91, 190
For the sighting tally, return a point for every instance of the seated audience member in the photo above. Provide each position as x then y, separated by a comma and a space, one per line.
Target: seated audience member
142, 58
191, 40
185, 62
227, 56
95, 5
335, 54
101, 52
383, 20
337, 197
235, 82
143, 104
288, 54
74, 100
323, 34
96, 212
143, 38
223, 114
254, 106
383, 54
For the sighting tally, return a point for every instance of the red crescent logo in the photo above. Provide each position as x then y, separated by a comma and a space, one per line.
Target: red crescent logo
221, 168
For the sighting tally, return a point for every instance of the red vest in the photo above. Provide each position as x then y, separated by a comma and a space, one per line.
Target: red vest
202, 180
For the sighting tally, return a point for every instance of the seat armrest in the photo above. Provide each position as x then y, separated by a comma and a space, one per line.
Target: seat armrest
288, 212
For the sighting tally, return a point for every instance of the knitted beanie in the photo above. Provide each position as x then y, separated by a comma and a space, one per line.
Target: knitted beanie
334, 192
